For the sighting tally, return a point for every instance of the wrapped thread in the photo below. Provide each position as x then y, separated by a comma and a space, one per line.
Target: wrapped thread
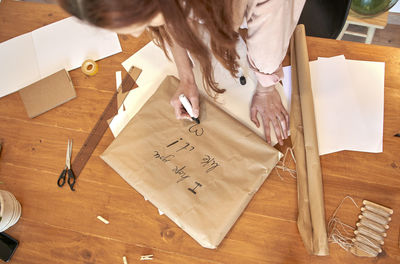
375, 217
366, 219
378, 209
366, 249
373, 225
369, 233
369, 242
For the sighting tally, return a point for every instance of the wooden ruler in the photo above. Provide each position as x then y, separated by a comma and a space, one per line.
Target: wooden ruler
128, 83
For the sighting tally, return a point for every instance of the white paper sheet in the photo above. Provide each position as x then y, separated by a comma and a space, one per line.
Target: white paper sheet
368, 80
348, 100
18, 64
62, 45
333, 100
118, 79
155, 67
287, 86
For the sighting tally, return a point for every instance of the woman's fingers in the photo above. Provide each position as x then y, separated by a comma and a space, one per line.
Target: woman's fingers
253, 116
178, 109
277, 128
268, 103
282, 124
194, 101
192, 94
267, 129
278, 121
285, 121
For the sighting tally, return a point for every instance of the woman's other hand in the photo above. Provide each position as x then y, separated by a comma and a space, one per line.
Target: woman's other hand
267, 102
189, 89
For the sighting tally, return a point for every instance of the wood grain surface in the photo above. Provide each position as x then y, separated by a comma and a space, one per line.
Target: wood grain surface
60, 226
379, 21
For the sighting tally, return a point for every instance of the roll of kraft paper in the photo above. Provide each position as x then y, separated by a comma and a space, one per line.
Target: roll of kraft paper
89, 67
311, 208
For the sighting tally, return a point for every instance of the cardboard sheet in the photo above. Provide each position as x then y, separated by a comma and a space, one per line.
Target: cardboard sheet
311, 216
201, 176
62, 45
47, 93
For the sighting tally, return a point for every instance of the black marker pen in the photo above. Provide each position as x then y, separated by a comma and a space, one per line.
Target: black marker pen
188, 107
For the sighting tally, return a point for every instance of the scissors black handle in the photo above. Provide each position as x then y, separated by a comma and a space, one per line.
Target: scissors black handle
61, 179
71, 179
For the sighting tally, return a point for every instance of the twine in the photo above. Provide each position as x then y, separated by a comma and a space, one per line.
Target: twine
339, 232
281, 165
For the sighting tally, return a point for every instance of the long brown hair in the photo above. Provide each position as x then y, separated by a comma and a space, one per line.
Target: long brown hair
216, 16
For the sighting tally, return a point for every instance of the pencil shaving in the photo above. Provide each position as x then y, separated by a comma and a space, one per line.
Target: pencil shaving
146, 257
105, 221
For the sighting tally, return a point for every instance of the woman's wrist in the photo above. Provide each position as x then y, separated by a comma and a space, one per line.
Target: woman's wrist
264, 90
183, 64
186, 76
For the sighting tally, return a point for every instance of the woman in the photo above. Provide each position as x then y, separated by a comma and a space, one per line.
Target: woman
175, 23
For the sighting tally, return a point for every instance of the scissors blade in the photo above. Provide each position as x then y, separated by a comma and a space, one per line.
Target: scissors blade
69, 152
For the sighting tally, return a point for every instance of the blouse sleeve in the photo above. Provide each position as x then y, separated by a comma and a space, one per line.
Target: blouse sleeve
270, 25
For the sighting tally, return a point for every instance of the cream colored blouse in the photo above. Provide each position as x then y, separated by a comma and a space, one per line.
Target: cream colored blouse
270, 24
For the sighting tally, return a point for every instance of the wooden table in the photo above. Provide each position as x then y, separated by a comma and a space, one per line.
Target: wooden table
59, 226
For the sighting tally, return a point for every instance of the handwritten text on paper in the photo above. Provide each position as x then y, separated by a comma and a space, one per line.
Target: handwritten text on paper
180, 146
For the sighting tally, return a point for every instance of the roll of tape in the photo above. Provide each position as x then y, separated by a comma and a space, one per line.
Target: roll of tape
89, 67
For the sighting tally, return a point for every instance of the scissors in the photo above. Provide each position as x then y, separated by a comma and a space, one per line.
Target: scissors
67, 169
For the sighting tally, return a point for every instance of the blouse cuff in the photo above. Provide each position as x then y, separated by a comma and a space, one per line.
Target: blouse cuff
267, 80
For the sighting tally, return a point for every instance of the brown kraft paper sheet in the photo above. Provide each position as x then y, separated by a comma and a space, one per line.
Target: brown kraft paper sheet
202, 176
47, 93
311, 216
